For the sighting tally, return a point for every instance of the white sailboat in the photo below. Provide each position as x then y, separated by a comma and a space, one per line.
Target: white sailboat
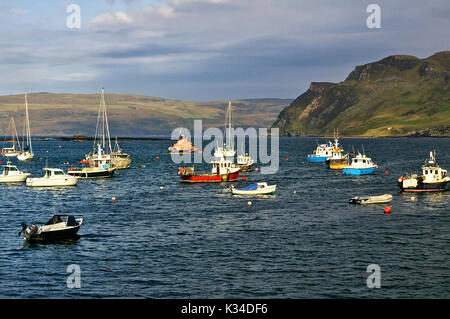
27, 150
12, 151
227, 150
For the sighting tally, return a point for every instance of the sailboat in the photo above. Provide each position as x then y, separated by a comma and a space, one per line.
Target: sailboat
100, 163
27, 150
12, 151
227, 150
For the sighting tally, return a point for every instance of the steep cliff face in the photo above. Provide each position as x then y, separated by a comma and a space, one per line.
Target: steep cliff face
398, 95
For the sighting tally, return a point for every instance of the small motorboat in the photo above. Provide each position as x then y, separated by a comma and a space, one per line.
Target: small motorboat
52, 177
57, 228
11, 174
433, 178
255, 189
361, 165
366, 200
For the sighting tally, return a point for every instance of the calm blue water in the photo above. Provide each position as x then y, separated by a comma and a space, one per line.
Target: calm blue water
196, 241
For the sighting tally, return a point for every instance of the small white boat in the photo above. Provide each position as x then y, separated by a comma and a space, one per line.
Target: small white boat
11, 174
57, 228
361, 165
255, 189
52, 177
245, 162
365, 200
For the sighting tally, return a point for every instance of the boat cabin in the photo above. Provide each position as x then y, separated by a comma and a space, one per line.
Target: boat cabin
433, 174
52, 172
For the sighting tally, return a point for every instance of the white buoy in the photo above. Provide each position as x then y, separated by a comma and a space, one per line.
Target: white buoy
161, 188
113, 199
249, 203
294, 192
413, 198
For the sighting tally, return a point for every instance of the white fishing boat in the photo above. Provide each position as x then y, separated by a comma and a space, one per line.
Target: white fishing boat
360, 165
52, 177
433, 178
11, 174
255, 189
366, 200
119, 159
99, 167
14, 150
26, 153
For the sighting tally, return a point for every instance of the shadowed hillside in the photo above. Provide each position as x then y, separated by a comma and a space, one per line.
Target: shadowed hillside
128, 115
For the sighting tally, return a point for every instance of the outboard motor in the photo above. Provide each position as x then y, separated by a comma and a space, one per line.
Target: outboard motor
29, 232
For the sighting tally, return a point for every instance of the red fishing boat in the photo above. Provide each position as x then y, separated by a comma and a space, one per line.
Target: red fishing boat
222, 170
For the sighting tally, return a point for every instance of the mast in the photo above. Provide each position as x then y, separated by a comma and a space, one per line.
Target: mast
27, 125
100, 136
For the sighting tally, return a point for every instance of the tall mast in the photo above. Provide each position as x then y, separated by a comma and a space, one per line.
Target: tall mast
27, 124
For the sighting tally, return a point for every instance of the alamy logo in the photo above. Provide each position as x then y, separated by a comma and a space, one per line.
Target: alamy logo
74, 19
374, 19
74, 279
258, 141
374, 279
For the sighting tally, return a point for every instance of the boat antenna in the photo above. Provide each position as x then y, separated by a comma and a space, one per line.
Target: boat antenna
364, 153
353, 147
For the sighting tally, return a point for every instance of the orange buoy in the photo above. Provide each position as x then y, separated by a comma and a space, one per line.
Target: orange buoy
387, 210
157, 157
256, 169
113, 199
286, 159
244, 178
386, 172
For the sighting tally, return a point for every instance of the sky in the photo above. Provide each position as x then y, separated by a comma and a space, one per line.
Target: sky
206, 50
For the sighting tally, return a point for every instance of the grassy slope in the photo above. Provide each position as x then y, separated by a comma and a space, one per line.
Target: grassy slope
129, 115
390, 102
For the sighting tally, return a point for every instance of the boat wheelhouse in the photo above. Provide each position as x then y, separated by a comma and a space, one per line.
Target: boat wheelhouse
321, 153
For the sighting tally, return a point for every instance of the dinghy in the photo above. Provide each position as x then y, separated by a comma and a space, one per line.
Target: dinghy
255, 189
58, 227
386, 198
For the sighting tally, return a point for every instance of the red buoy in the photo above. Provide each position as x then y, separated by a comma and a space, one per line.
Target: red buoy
244, 178
386, 172
387, 210
286, 159
157, 157
256, 169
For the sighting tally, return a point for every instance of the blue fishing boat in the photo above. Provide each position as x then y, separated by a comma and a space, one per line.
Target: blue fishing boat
361, 165
322, 152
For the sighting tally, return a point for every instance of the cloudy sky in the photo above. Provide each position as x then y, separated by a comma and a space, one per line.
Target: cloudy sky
203, 50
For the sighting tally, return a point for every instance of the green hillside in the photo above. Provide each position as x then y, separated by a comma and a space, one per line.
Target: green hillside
129, 115
397, 96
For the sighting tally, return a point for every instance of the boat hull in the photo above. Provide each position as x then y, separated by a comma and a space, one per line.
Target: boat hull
210, 178
268, 191
14, 179
337, 163
425, 187
25, 157
317, 159
106, 173
358, 171
51, 182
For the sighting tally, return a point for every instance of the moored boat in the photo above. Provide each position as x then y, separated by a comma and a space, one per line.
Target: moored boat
360, 165
433, 178
255, 189
119, 159
99, 167
14, 150
183, 145
52, 177
321, 153
366, 200
57, 228
26, 153
245, 162
223, 170
11, 174
337, 159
